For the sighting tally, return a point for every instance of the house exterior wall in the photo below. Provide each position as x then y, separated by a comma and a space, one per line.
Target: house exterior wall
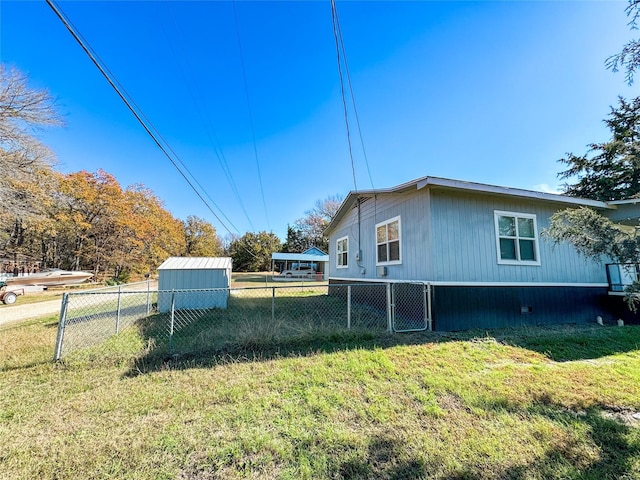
449, 236
464, 244
413, 209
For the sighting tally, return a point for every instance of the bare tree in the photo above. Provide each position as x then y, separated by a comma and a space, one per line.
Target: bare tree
311, 227
25, 162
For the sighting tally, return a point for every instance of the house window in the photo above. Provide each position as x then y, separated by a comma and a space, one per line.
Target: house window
517, 238
343, 252
388, 242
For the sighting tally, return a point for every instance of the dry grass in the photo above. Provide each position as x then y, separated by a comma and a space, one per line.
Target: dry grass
522, 404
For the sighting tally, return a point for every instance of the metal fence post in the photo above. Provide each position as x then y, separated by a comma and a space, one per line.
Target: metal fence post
348, 307
273, 303
389, 310
118, 310
61, 323
148, 296
173, 308
429, 319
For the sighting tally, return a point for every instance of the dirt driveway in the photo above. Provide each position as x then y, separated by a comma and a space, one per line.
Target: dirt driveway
16, 313
26, 311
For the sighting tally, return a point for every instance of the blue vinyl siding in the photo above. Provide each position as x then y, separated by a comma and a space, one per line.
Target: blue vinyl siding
413, 211
465, 242
449, 236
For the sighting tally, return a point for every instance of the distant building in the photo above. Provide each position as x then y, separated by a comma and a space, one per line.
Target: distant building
312, 257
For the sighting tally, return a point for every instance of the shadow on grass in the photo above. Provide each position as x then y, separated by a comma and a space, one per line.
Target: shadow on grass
616, 438
572, 342
385, 460
601, 444
251, 329
305, 322
617, 456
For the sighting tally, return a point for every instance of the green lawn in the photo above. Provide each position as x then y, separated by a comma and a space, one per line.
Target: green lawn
522, 403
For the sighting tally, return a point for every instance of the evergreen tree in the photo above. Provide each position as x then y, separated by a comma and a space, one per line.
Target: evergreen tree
610, 170
295, 242
629, 56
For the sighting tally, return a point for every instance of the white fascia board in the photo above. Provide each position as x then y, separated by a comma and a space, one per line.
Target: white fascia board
513, 192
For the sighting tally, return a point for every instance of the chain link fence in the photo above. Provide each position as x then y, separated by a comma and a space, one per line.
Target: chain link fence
182, 321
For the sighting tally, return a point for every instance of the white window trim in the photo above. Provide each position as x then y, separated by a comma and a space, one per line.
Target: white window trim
375, 241
346, 237
536, 238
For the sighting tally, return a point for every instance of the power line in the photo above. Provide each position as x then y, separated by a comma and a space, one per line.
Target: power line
137, 112
213, 140
334, 19
337, 33
253, 133
353, 98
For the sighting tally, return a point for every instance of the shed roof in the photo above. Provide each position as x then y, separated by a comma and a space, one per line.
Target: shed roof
196, 263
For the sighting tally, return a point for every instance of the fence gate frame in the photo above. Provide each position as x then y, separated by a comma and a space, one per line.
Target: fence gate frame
424, 321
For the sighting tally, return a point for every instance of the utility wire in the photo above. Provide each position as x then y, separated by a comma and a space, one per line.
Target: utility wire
336, 36
353, 98
137, 112
253, 132
182, 57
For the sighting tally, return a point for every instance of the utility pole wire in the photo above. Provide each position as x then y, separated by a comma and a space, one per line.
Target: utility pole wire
145, 123
334, 19
353, 98
183, 58
253, 132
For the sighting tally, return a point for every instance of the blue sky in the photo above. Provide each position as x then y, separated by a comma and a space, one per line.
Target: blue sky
491, 92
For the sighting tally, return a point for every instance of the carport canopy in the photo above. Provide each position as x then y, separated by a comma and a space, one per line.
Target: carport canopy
312, 255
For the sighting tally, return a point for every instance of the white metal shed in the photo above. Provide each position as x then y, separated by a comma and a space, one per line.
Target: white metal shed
186, 279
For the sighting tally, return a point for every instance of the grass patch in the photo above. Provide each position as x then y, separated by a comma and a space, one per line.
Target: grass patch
481, 405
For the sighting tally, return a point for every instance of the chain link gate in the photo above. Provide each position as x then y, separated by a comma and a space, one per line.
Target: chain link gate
410, 311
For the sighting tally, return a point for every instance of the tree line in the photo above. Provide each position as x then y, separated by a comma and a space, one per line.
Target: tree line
88, 221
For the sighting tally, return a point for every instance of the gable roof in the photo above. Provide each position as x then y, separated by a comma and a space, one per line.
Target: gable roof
460, 185
314, 251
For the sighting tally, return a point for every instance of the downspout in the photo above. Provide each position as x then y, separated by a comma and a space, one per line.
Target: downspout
363, 271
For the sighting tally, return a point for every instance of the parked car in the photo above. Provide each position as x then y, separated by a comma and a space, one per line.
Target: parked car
301, 271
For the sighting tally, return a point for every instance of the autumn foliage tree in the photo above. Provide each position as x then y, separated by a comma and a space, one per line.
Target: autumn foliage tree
201, 239
81, 220
97, 225
308, 231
